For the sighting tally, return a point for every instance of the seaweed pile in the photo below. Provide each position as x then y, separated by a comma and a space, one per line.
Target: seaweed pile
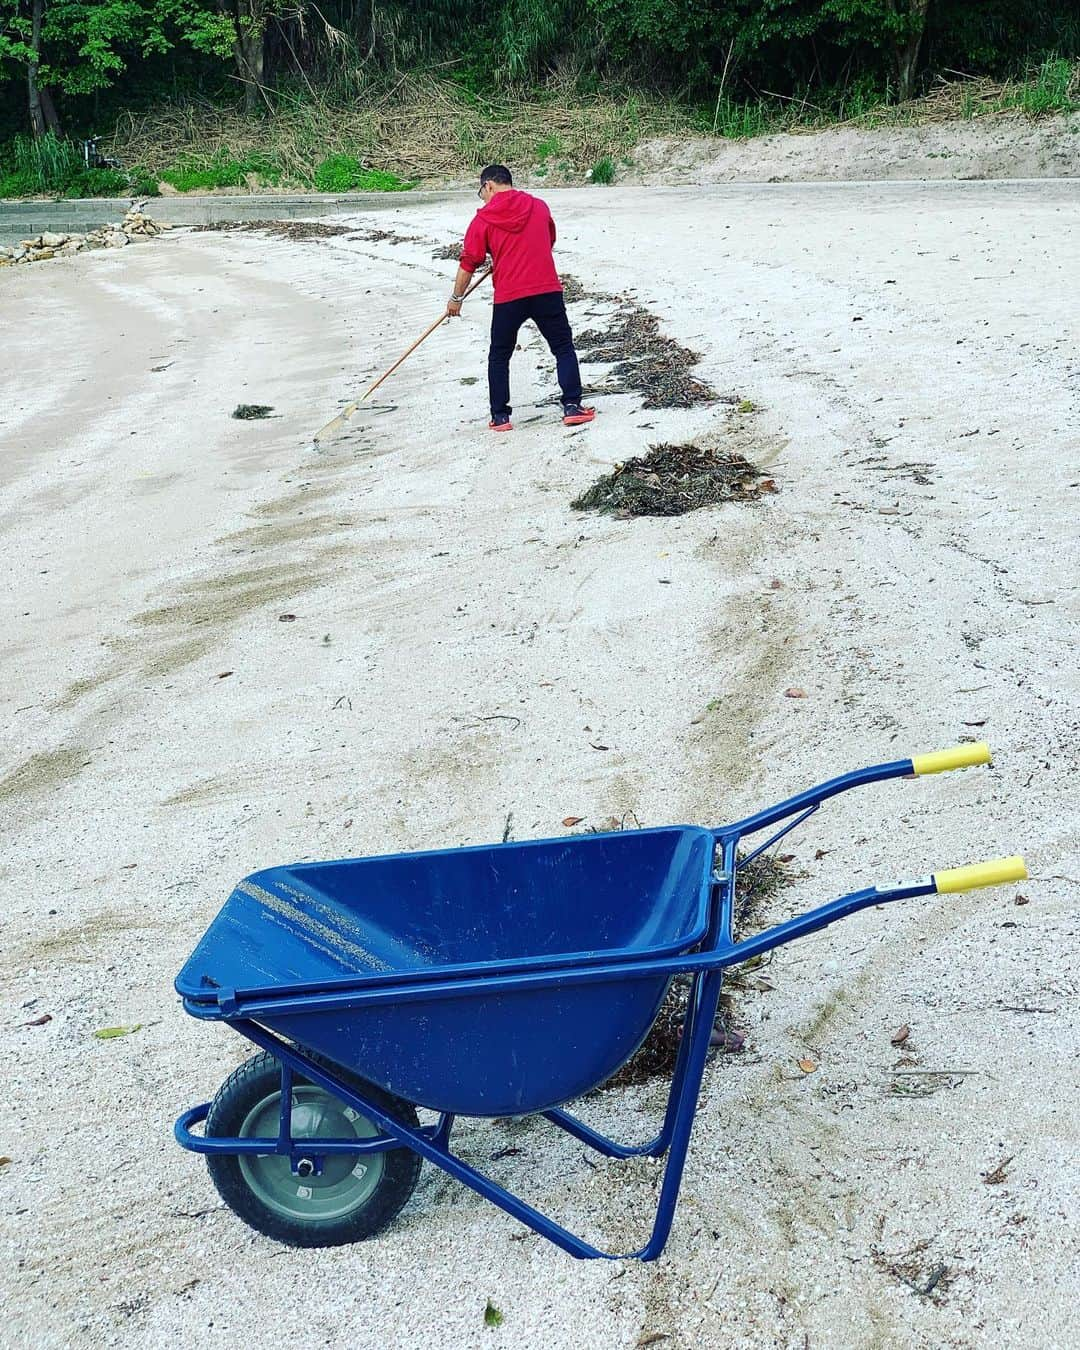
673, 479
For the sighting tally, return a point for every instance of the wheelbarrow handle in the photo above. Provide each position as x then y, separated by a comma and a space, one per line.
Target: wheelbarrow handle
936, 761
947, 882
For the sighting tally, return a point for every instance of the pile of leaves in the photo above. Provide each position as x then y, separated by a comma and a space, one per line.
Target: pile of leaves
645, 361
673, 479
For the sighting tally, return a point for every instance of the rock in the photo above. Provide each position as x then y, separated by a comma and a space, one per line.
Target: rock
50, 240
72, 246
31, 243
115, 239
42, 254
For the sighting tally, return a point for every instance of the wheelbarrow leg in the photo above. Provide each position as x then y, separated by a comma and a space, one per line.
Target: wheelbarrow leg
682, 1107
655, 1148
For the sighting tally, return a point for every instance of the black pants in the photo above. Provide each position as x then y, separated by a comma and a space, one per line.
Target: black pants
549, 314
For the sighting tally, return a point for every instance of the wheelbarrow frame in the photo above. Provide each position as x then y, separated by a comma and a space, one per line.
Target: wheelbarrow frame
717, 951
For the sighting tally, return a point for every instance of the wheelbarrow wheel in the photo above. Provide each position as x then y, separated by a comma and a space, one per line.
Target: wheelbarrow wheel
352, 1199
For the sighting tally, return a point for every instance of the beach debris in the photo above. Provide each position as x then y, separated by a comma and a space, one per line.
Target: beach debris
135, 226
644, 361
900, 1035
492, 1316
250, 412
998, 1175
39, 1021
114, 1033
808, 1065
299, 231
671, 480
572, 820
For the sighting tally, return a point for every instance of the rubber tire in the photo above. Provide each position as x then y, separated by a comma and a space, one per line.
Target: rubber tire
256, 1079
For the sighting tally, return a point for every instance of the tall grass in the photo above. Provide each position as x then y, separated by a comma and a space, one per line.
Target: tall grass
1054, 88
47, 164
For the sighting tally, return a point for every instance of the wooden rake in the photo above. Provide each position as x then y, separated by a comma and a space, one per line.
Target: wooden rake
339, 421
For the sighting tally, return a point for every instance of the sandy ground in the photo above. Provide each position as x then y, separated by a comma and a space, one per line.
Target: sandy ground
918, 389
1000, 146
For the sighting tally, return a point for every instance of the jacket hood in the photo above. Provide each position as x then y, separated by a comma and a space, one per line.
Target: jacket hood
509, 210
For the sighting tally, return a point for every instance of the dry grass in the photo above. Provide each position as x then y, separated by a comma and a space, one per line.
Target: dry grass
422, 129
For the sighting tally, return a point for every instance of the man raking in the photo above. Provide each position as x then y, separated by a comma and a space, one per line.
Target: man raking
517, 230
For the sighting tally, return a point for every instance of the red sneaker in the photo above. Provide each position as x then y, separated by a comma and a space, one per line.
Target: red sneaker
501, 422
574, 414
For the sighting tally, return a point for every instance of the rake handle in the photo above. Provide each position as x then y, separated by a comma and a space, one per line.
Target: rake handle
425, 334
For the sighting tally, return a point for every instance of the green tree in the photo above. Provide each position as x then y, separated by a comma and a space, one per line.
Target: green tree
77, 47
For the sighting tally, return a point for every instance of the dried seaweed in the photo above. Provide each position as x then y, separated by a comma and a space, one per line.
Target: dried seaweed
644, 360
296, 230
673, 479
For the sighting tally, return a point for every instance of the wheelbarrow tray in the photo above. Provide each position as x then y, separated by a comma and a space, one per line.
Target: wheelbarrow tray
291, 940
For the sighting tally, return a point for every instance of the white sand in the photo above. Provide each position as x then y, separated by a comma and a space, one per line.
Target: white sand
925, 540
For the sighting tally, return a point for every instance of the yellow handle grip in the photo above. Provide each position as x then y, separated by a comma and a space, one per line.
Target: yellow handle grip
993, 873
959, 757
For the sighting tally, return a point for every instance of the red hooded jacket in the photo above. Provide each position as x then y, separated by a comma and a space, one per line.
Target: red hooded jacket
518, 231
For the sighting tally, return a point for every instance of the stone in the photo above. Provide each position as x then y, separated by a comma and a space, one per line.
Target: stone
115, 239
31, 243
42, 254
50, 240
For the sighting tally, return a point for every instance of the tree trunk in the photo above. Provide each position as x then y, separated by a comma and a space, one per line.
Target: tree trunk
42, 110
907, 50
249, 50
37, 113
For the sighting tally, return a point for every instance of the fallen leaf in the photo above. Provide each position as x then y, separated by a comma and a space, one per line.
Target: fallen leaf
981, 723
900, 1035
768, 485
286, 618
224, 675
786, 857
345, 824
651, 1338
572, 820
807, 1065
595, 746
1021, 900
506, 1153
4, 1161
776, 584
111, 1033
998, 1175
39, 1021
794, 693
492, 1316
128, 867
820, 853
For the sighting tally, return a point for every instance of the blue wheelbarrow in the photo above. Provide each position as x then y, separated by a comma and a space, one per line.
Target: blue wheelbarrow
503, 980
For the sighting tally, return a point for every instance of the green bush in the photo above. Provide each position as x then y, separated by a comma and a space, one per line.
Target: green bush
1048, 92
220, 170
18, 184
98, 183
603, 171
143, 183
345, 173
